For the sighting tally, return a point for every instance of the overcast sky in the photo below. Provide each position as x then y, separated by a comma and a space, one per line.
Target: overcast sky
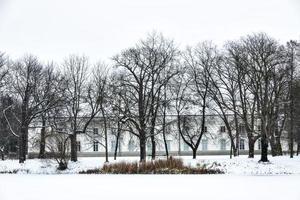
53, 29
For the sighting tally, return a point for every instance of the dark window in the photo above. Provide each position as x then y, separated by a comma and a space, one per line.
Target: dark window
242, 128
95, 131
78, 146
205, 129
242, 144
95, 146
223, 129
259, 144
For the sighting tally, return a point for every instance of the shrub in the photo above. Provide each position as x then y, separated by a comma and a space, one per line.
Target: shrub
169, 166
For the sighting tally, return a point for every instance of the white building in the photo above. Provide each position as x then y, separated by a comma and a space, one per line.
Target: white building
214, 141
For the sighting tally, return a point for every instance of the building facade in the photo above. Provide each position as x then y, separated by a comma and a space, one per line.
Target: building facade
215, 140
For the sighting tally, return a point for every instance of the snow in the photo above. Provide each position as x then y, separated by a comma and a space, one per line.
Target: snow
206, 187
243, 179
236, 166
243, 165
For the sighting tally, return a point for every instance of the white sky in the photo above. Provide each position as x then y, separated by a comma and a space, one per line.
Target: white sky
53, 29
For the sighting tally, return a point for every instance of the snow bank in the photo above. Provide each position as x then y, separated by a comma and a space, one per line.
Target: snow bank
250, 166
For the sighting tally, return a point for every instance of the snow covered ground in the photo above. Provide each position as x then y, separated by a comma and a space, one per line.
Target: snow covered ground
237, 166
244, 179
173, 187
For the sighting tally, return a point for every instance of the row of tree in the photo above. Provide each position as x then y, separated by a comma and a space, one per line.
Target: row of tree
252, 81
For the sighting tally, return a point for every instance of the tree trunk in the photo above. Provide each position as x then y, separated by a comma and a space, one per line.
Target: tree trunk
291, 144
194, 153
273, 146
264, 149
117, 142
277, 151
291, 131
237, 139
153, 147
233, 148
164, 125
231, 151
106, 143
22, 143
105, 131
165, 143
298, 148
73, 139
142, 148
116, 148
43, 139
251, 148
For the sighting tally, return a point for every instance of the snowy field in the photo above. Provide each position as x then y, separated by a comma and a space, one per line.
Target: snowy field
237, 166
243, 179
168, 187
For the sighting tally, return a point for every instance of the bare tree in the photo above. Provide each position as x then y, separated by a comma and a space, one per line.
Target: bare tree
99, 90
264, 59
8, 142
28, 79
5, 138
82, 103
54, 86
246, 108
292, 62
143, 66
199, 62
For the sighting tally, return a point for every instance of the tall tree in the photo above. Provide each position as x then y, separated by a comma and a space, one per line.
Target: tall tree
291, 54
143, 66
54, 86
199, 62
82, 104
28, 79
264, 59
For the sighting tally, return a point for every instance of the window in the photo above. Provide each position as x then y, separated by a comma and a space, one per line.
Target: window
60, 146
131, 145
95, 146
169, 145
186, 147
223, 129
78, 146
223, 144
242, 129
205, 129
120, 145
259, 144
95, 131
149, 145
204, 145
113, 146
242, 144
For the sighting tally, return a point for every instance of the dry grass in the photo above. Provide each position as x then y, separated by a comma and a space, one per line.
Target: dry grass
169, 166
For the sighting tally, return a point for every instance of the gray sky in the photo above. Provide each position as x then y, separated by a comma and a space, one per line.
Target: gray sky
53, 29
